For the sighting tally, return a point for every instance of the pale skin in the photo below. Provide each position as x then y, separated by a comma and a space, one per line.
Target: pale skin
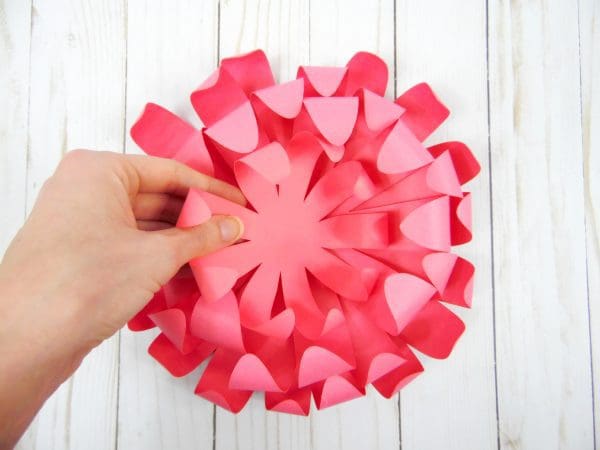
99, 242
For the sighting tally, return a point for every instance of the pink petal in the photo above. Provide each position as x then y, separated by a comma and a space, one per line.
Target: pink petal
434, 331
335, 152
333, 116
215, 282
337, 275
194, 210
465, 164
218, 322
452, 276
366, 71
271, 162
383, 363
256, 299
333, 188
294, 402
324, 80
428, 225
380, 112
178, 364
336, 389
216, 99
284, 99
279, 327
318, 363
439, 267
389, 384
424, 112
214, 384
405, 296
220, 205
401, 151
355, 231
161, 133
251, 374
173, 324
237, 131
442, 177
251, 71
303, 151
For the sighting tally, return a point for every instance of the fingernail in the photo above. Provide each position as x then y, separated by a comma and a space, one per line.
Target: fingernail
230, 228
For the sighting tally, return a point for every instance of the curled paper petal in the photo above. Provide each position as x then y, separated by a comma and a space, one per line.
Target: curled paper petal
322, 81
345, 261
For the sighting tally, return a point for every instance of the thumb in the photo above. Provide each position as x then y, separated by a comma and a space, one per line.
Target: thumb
185, 244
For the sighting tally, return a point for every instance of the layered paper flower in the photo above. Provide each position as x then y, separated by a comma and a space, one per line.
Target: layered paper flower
345, 261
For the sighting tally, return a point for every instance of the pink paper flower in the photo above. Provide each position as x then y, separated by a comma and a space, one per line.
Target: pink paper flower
346, 256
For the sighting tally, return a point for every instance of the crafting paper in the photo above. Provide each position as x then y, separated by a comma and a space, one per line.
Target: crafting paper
345, 263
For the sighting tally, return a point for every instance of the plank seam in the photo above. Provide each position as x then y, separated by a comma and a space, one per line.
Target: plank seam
490, 187
123, 150
585, 227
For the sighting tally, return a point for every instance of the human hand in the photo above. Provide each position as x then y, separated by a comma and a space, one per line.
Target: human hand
98, 244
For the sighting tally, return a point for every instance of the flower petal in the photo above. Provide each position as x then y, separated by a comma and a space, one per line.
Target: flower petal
368, 71
251, 374
336, 389
401, 151
465, 164
428, 225
424, 112
334, 117
434, 331
161, 133
323, 81
251, 71
379, 112
214, 383
318, 363
218, 322
178, 364
284, 99
237, 131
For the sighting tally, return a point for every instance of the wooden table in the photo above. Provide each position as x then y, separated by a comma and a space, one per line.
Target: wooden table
523, 81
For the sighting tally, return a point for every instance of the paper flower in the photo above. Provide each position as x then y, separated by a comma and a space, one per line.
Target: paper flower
345, 259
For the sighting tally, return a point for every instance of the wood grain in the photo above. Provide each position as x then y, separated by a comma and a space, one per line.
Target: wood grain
15, 26
444, 43
542, 334
171, 48
589, 38
77, 75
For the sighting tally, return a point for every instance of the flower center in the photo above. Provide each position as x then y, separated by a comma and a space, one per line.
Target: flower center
289, 231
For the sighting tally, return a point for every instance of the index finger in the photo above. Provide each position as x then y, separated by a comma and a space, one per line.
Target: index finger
160, 175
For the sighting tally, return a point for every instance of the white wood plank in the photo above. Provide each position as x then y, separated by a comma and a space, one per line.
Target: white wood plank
339, 29
543, 359
171, 49
76, 100
452, 405
589, 35
15, 25
281, 30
